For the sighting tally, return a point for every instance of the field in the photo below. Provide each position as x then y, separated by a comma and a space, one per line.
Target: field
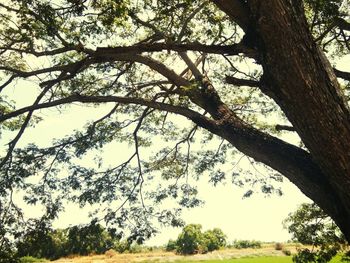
266, 254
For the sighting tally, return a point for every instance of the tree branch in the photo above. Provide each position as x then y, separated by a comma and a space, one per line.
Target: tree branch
236, 10
242, 82
284, 128
342, 74
190, 114
234, 49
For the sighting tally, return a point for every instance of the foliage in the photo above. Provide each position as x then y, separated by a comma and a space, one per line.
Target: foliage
287, 252
82, 240
309, 225
246, 244
192, 240
214, 239
92, 238
38, 242
171, 245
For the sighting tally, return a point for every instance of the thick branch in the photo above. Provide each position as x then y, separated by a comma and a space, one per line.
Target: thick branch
342, 74
342, 24
284, 128
236, 10
194, 116
242, 82
234, 49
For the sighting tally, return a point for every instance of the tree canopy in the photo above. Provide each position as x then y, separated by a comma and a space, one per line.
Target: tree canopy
237, 77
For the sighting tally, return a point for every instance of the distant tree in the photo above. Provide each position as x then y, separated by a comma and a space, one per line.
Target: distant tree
38, 242
310, 225
190, 240
88, 239
214, 239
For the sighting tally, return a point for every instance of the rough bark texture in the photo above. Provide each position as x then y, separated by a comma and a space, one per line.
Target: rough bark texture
300, 79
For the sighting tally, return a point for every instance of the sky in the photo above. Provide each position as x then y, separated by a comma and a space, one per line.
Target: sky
254, 218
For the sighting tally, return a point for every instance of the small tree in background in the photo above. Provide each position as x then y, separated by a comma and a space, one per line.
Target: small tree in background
310, 225
38, 242
214, 239
192, 240
84, 240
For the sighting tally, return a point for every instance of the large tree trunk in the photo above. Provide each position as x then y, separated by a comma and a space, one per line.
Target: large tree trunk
300, 79
303, 84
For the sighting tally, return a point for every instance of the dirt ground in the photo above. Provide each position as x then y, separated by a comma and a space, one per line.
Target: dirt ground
113, 257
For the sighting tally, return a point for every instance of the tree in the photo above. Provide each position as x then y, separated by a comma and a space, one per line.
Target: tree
190, 240
38, 242
214, 239
309, 225
84, 240
150, 61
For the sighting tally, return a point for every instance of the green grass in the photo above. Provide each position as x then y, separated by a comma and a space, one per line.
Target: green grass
249, 260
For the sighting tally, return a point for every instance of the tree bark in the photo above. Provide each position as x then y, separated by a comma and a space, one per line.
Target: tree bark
299, 78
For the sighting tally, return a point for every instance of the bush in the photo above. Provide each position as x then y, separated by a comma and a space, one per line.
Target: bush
136, 248
246, 244
278, 246
121, 246
286, 252
171, 246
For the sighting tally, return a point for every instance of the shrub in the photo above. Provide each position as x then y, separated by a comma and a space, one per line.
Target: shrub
121, 246
246, 244
278, 246
171, 246
286, 252
136, 248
